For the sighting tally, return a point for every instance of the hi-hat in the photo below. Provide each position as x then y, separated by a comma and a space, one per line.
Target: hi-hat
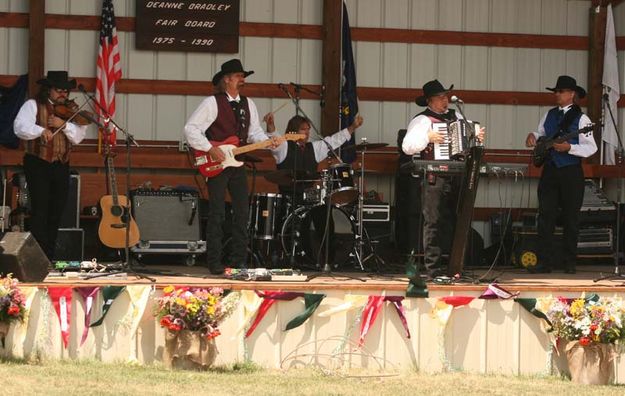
287, 177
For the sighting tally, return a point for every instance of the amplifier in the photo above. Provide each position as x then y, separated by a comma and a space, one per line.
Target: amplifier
71, 213
171, 215
70, 245
376, 212
595, 240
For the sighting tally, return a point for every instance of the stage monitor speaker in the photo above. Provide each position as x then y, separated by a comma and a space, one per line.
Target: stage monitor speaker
167, 215
22, 257
71, 213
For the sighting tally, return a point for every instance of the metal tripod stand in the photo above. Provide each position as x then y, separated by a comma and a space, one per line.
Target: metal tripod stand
362, 238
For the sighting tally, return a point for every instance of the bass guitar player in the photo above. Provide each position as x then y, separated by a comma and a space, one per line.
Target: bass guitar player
218, 117
561, 185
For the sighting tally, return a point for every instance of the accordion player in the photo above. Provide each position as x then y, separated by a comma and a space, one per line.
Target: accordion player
461, 136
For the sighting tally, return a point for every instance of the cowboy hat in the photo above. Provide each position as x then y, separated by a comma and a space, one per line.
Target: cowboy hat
431, 88
57, 79
232, 66
568, 82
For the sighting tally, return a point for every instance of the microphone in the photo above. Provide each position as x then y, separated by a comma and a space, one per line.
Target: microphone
297, 86
82, 89
605, 96
455, 99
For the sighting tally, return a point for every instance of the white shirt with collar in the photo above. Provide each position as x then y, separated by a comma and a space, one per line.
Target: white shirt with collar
586, 145
206, 114
335, 140
416, 139
26, 128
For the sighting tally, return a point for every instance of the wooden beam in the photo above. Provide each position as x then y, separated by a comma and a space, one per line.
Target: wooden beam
331, 65
598, 19
263, 90
314, 32
36, 43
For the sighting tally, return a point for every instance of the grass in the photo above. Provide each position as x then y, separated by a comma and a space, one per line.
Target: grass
95, 378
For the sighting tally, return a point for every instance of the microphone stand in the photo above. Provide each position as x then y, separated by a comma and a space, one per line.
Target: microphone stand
126, 266
326, 269
620, 153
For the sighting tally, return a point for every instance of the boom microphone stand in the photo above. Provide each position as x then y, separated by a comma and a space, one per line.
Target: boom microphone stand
126, 266
620, 153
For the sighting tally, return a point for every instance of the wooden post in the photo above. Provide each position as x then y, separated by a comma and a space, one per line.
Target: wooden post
331, 65
36, 43
598, 19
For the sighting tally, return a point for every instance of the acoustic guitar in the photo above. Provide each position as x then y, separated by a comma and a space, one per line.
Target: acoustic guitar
115, 214
209, 167
542, 150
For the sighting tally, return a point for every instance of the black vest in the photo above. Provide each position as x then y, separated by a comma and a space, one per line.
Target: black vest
298, 160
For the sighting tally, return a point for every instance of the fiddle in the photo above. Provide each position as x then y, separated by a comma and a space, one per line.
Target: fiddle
70, 111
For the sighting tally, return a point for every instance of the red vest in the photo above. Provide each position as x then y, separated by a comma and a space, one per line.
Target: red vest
227, 124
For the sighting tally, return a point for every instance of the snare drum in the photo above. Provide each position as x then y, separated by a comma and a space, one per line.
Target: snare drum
342, 190
266, 215
314, 195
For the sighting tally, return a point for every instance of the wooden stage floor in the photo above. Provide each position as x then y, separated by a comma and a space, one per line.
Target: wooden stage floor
512, 279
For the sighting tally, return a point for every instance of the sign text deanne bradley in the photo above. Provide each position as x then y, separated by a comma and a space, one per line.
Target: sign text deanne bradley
179, 5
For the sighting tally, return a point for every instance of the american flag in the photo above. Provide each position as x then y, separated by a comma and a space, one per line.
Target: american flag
109, 68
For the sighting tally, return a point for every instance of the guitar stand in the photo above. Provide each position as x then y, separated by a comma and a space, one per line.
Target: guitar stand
126, 216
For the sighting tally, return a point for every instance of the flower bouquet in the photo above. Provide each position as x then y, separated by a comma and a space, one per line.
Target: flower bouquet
592, 328
11, 304
192, 317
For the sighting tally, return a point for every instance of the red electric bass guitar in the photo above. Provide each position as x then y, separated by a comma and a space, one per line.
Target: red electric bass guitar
210, 167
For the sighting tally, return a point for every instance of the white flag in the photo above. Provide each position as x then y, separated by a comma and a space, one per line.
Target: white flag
611, 87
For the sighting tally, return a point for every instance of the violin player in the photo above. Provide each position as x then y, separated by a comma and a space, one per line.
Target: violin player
48, 140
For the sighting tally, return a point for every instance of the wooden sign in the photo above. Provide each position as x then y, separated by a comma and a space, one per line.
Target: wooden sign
187, 25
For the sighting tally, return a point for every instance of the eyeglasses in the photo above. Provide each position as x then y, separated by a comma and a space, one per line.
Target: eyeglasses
60, 90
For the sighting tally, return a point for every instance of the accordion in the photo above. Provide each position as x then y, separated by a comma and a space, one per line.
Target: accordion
460, 136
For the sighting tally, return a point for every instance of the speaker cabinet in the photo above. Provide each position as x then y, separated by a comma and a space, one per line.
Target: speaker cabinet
22, 256
70, 244
167, 215
71, 213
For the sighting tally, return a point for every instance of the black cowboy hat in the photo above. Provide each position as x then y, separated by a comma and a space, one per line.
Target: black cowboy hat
431, 88
232, 66
568, 82
58, 79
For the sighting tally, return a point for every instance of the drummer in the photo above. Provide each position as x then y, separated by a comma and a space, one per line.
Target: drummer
302, 156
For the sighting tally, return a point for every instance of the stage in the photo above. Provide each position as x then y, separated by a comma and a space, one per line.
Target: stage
479, 335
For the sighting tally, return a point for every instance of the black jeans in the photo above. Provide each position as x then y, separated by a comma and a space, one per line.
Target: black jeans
439, 220
235, 180
48, 186
559, 188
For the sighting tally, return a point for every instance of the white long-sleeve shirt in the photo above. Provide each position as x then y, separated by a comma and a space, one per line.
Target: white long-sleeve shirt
416, 139
206, 114
26, 128
586, 146
321, 149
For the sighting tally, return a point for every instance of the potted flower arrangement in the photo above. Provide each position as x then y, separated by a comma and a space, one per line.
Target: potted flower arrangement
191, 317
11, 304
592, 328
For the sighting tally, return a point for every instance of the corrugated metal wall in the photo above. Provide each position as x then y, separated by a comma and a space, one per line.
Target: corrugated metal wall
393, 65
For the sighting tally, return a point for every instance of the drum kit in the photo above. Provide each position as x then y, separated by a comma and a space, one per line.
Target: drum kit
290, 230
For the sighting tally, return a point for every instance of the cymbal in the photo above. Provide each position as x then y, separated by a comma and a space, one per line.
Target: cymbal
365, 146
286, 177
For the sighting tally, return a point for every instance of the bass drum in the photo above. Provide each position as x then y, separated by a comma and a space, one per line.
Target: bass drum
302, 235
